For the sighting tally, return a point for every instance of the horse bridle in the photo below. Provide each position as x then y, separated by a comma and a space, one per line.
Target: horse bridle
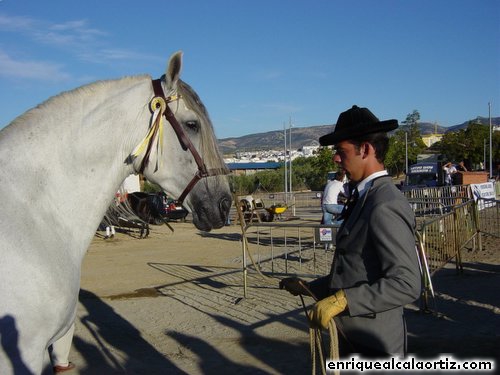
184, 141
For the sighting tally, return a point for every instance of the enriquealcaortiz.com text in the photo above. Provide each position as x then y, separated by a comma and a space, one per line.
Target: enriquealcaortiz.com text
443, 363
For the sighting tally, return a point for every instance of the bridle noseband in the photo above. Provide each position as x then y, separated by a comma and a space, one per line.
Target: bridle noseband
160, 102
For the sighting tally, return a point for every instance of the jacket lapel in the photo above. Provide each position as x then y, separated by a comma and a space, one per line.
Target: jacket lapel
348, 224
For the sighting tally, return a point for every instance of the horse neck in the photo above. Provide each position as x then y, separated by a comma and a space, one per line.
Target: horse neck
73, 149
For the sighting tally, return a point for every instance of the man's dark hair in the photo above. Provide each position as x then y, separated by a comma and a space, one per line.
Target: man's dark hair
379, 141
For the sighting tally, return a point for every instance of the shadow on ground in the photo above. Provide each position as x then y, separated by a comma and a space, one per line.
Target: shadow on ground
465, 314
110, 330
268, 329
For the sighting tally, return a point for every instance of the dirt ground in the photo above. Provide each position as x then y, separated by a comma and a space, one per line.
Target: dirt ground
173, 304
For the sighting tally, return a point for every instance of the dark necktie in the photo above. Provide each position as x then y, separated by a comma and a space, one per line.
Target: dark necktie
353, 198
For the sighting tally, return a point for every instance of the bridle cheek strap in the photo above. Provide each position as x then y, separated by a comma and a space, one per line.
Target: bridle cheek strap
185, 142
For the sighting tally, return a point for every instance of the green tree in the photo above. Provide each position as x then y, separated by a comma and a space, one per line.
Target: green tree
395, 158
450, 146
407, 134
242, 184
468, 144
301, 169
313, 171
272, 181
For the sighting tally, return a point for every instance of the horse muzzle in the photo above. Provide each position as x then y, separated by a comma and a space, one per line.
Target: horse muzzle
212, 212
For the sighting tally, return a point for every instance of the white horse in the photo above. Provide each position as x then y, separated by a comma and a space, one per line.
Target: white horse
61, 164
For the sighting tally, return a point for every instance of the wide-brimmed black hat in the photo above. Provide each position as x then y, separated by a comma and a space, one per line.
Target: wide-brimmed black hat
356, 122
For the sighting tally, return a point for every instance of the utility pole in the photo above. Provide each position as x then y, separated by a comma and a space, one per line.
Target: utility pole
284, 160
491, 136
484, 156
290, 170
290, 154
406, 153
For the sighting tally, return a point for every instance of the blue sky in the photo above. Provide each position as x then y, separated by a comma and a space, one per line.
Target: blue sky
257, 64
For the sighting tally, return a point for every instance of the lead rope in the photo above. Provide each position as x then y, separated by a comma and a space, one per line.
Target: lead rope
315, 337
316, 342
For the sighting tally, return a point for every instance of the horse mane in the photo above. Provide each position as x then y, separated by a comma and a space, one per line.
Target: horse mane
209, 149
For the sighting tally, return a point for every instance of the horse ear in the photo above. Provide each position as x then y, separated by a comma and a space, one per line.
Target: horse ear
173, 70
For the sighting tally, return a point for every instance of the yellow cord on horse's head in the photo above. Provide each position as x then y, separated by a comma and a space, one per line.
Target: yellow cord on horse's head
158, 107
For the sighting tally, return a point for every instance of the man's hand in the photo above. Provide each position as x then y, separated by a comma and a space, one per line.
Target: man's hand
324, 310
295, 286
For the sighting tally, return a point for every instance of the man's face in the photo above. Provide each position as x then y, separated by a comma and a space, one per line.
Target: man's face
349, 158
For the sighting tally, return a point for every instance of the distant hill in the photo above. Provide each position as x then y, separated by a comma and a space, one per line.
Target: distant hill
308, 136
275, 139
482, 120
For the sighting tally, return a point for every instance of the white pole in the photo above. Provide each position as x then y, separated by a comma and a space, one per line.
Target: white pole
484, 156
491, 136
290, 155
406, 153
290, 145
284, 160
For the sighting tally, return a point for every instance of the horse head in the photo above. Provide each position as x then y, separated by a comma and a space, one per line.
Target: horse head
183, 158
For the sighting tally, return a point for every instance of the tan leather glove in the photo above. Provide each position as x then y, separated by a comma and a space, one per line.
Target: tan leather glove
295, 286
329, 307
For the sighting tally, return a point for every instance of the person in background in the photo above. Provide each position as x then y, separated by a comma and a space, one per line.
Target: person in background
449, 170
456, 177
334, 191
59, 352
461, 167
375, 271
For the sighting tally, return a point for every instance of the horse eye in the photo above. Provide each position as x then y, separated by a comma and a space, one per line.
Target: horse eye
193, 125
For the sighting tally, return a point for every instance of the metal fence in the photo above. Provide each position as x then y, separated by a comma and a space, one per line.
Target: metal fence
306, 199
489, 216
439, 192
442, 238
298, 248
429, 208
444, 196
445, 235
445, 225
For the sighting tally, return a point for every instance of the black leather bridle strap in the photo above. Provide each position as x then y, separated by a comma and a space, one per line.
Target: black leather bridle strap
186, 143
